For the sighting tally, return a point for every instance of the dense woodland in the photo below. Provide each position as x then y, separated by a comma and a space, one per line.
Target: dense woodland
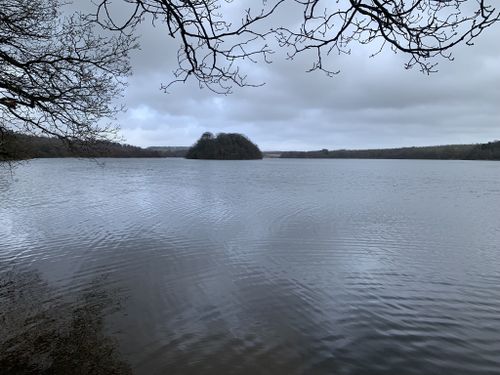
14, 146
225, 146
485, 151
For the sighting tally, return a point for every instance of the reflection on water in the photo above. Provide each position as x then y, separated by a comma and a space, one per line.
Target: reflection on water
253, 267
44, 334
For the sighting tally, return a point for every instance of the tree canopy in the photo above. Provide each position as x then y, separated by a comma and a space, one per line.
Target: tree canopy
59, 74
226, 146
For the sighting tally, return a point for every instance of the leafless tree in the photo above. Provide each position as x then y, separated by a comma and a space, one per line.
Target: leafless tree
58, 75
212, 46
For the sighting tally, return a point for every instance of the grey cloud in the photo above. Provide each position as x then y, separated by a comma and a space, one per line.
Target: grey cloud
373, 102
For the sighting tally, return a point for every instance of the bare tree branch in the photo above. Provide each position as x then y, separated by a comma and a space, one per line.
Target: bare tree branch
212, 48
58, 76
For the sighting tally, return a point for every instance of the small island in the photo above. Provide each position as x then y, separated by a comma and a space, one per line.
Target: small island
224, 146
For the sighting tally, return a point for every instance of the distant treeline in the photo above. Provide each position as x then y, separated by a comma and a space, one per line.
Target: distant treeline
15, 146
170, 151
485, 151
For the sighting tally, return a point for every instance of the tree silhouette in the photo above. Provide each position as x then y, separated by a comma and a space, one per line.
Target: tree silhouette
212, 42
58, 76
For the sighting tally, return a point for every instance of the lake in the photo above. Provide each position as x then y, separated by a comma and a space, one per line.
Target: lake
172, 266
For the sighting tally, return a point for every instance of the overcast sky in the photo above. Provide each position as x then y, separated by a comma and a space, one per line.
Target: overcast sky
373, 102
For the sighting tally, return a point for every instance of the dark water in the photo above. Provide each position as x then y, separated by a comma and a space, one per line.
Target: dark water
167, 266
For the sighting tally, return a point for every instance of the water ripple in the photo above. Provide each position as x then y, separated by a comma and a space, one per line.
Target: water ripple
272, 267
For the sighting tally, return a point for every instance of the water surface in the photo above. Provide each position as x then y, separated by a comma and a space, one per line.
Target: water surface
170, 266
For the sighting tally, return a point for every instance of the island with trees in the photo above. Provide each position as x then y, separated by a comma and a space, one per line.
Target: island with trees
224, 146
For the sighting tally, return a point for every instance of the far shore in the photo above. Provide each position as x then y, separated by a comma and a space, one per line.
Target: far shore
25, 147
